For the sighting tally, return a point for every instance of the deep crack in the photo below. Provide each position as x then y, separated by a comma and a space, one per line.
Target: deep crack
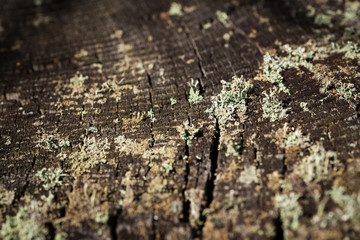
210, 184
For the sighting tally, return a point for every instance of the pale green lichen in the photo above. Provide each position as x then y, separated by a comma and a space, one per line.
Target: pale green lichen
188, 132
249, 175
53, 141
273, 65
176, 9
296, 138
77, 83
352, 11
173, 101
166, 167
91, 153
23, 225
150, 114
223, 18
304, 106
290, 211
350, 50
194, 95
346, 91
233, 149
231, 101
318, 164
6, 196
273, 108
323, 20
348, 205
51, 178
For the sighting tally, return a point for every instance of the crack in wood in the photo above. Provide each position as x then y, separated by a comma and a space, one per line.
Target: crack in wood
210, 184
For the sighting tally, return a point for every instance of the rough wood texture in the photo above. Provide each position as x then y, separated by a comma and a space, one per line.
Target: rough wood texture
83, 157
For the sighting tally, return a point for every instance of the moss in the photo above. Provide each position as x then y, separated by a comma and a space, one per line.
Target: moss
23, 225
51, 178
176, 9
272, 108
194, 95
230, 104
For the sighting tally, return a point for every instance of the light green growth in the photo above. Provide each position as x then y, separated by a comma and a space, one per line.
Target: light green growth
187, 132
273, 65
81, 54
311, 11
223, 18
272, 107
227, 36
349, 205
6, 197
318, 164
61, 236
304, 106
297, 57
296, 138
41, 19
166, 167
290, 211
53, 142
323, 20
176, 9
249, 175
92, 152
207, 25
124, 48
38, 3
151, 115
350, 50
231, 100
173, 101
233, 149
194, 96
51, 178
352, 11
346, 91
77, 83
23, 226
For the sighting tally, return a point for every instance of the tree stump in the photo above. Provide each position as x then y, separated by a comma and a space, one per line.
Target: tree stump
179, 120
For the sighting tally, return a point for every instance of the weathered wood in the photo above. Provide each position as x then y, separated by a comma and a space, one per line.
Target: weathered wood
78, 81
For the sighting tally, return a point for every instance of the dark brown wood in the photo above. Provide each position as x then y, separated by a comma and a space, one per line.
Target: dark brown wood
79, 77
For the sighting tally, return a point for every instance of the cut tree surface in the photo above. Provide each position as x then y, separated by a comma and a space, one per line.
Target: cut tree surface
179, 120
